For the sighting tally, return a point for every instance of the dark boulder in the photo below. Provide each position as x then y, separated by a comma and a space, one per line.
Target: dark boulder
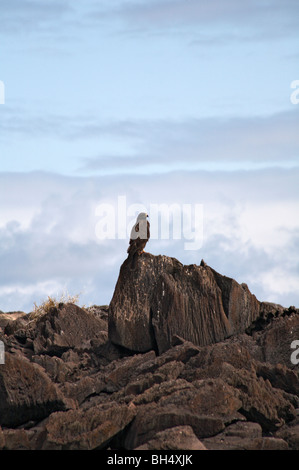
161, 298
179, 437
65, 327
86, 429
26, 392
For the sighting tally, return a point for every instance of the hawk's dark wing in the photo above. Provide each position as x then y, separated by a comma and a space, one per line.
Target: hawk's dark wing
137, 244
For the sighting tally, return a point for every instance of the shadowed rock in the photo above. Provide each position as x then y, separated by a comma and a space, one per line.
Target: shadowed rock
244, 436
26, 392
88, 429
179, 437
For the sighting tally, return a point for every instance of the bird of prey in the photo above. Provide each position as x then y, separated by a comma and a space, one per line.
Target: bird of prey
139, 237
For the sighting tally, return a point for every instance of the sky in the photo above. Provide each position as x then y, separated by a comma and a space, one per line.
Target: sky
125, 105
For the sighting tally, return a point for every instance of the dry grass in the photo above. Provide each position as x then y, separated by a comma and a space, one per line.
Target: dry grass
46, 306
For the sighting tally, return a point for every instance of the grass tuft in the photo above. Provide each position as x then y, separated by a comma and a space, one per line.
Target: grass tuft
52, 303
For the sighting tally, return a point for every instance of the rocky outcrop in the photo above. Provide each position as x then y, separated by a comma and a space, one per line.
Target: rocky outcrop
176, 438
161, 298
89, 429
66, 386
244, 436
26, 392
8, 320
65, 328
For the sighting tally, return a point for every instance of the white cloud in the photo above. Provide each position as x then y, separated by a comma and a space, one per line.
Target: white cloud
250, 232
224, 144
276, 282
265, 224
13, 295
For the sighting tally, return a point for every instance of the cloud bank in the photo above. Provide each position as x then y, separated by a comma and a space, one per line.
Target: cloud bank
49, 243
145, 146
251, 20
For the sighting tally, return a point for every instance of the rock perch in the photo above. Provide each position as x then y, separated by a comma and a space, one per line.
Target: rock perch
161, 298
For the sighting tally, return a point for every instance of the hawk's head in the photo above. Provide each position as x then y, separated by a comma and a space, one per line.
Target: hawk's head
142, 216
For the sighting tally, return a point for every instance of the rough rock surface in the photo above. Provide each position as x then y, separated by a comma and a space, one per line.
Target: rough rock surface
73, 327
178, 437
244, 436
26, 392
87, 429
172, 299
228, 385
8, 320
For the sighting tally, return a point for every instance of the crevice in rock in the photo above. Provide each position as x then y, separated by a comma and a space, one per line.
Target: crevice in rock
254, 415
152, 334
224, 283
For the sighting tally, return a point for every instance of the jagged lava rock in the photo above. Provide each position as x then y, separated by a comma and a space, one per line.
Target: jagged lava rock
65, 327
88, 429
176, 438
12, 318
244, 436
276, 339
26, 392
161, 298
205, 365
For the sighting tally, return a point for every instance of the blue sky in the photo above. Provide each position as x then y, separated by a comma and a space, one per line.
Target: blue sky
167, 101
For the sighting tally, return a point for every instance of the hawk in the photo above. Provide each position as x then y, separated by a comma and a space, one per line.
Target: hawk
140, 235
